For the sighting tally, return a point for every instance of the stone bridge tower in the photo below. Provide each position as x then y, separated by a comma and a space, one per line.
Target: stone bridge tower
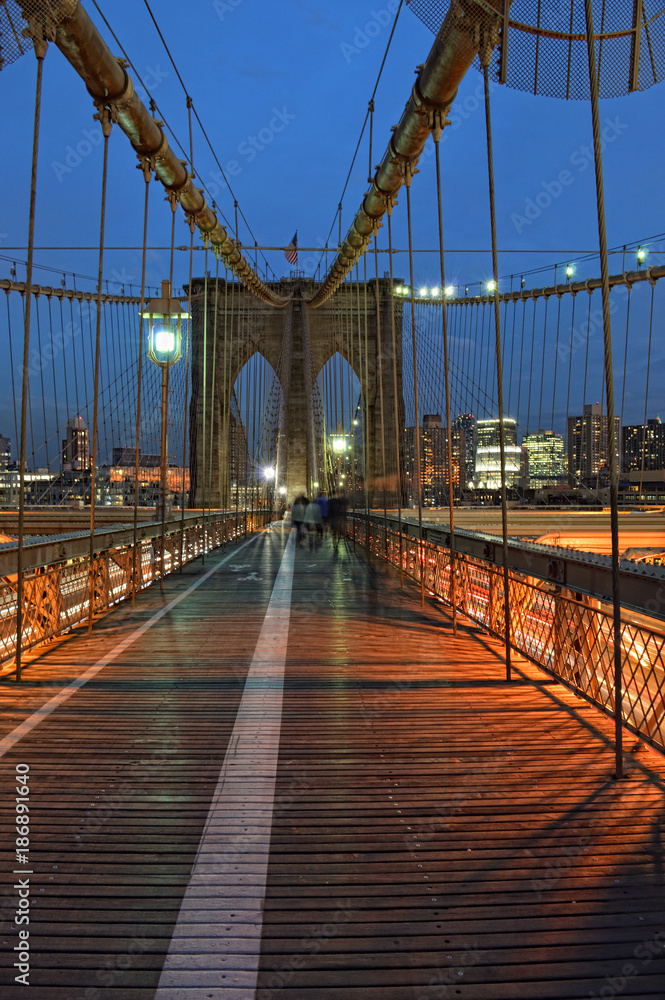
297, 341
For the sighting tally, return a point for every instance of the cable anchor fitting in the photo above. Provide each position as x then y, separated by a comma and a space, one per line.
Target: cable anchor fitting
408, 170
144, 165
485, 37
436, 122
105, 116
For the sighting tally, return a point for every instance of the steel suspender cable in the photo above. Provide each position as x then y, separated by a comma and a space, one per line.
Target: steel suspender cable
379, 358
512, 351
421, 555
437, 127
542, 367
368, 451
186, 400
556, 358
138, 571
570, 372
519, 384
398, 432
646, 390
625, 355
485, 56
609, 383
205, 399
105, 122
533, 342
213, 385
40, 46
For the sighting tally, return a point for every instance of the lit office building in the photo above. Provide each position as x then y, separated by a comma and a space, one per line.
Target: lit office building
435, 478
548, 465
588, 450
465, 425
76, 446
487, 474
644, 447
5, 453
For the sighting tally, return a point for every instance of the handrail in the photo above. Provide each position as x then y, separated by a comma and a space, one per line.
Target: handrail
642, 586
564, 631
58, 573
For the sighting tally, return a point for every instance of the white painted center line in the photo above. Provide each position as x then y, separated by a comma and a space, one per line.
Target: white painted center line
215, 948
50, 706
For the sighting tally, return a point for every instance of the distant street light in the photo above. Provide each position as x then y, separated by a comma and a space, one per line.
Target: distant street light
164, 316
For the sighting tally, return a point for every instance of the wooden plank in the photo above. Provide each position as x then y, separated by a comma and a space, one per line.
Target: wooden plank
424, 808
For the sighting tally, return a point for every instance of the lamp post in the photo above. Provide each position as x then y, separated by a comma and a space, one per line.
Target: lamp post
164, 316
269, 474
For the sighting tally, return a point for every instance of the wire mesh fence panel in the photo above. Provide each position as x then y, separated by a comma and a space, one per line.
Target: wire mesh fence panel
546, 50
571, 637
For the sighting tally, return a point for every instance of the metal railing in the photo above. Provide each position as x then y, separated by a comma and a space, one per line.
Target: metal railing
59, 577
567, 633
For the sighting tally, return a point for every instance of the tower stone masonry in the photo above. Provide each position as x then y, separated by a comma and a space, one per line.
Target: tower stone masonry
297, 341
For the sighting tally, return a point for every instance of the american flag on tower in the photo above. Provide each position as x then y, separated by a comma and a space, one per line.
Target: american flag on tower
291, 252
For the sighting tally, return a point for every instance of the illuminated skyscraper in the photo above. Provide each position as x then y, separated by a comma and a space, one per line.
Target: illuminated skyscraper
548, 465
588, 450
465, 424
5, 453
435, 478
487, 474
76, 446
644, 447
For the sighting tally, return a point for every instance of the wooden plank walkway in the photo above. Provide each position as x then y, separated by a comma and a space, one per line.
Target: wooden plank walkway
436, 832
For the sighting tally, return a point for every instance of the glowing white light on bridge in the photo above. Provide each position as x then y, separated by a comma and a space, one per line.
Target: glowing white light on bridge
436, 292
641, 254
164, 316
269, 472
491, 286
423, 293
450, 291
570, 271
164, 341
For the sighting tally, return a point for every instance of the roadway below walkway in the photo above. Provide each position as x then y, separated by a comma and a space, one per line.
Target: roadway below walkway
584, 530
283, 777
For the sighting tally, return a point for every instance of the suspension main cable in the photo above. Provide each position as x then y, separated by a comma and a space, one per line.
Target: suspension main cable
370, 105
190, 108
486, 54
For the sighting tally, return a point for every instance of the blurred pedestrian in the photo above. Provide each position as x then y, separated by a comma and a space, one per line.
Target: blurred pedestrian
314, 523
337, 518
298, 511
322, 501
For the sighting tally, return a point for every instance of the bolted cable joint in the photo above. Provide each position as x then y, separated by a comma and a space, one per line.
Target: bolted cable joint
144, 165
173, 197
106, 116
408, 170
485, 37
436, 121
391, 201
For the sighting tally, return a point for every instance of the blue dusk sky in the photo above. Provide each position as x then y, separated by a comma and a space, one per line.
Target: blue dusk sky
282, 90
